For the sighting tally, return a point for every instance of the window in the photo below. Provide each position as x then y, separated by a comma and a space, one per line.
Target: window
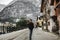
52, 2
57, 1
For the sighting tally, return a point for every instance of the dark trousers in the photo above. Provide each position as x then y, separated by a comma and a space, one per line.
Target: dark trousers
30, 36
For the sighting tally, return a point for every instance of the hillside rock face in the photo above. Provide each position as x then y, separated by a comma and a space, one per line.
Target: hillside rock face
21, 8
2, 6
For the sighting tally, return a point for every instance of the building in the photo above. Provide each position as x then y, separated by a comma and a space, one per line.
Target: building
49, 9
45, 9
57, 10
54, 3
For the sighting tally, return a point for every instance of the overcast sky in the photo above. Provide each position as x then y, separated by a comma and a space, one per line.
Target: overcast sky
5, 2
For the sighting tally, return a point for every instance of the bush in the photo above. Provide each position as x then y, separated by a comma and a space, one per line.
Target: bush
22, 23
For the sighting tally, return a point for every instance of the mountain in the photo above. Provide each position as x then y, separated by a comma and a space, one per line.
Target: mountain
20, 8
2, 6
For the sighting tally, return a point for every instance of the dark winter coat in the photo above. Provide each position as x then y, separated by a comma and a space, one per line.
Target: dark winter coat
31, 25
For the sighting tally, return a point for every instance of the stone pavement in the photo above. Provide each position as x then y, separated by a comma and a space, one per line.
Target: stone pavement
38, 34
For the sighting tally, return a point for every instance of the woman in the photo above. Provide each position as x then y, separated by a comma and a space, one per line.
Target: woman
31, 26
